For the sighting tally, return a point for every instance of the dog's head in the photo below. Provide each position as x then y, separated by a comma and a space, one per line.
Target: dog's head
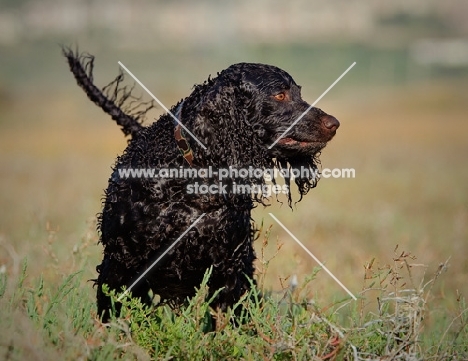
252, 112
287, 124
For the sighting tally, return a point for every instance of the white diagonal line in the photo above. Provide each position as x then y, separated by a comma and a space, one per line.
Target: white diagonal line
161, 104
159, 258
309, 108
315, 258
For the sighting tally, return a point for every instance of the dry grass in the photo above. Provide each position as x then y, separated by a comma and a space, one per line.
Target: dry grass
408, 147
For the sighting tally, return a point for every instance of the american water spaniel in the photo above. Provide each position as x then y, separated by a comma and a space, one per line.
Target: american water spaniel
229, 122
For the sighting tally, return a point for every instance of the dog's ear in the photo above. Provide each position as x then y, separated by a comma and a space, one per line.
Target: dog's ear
225, 123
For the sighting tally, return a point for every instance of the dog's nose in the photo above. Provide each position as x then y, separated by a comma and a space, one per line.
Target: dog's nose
330, 122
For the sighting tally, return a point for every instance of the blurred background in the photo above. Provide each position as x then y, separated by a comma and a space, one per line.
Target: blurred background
403, 110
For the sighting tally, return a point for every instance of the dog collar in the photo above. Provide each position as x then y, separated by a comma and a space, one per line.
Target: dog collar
181, 140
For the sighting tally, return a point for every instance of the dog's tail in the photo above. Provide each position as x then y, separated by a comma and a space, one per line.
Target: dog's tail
114, 99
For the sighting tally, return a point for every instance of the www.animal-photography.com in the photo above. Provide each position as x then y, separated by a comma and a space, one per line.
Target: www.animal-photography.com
233, 180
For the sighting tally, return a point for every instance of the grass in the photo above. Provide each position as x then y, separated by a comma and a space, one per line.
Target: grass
57, 320
408, 146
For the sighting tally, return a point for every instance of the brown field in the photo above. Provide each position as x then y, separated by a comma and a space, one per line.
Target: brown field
385, 234
408, 145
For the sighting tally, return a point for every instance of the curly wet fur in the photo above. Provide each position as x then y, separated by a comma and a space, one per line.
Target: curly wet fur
237, 116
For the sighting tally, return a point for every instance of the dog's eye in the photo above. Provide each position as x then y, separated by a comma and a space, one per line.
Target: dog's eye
280, 96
